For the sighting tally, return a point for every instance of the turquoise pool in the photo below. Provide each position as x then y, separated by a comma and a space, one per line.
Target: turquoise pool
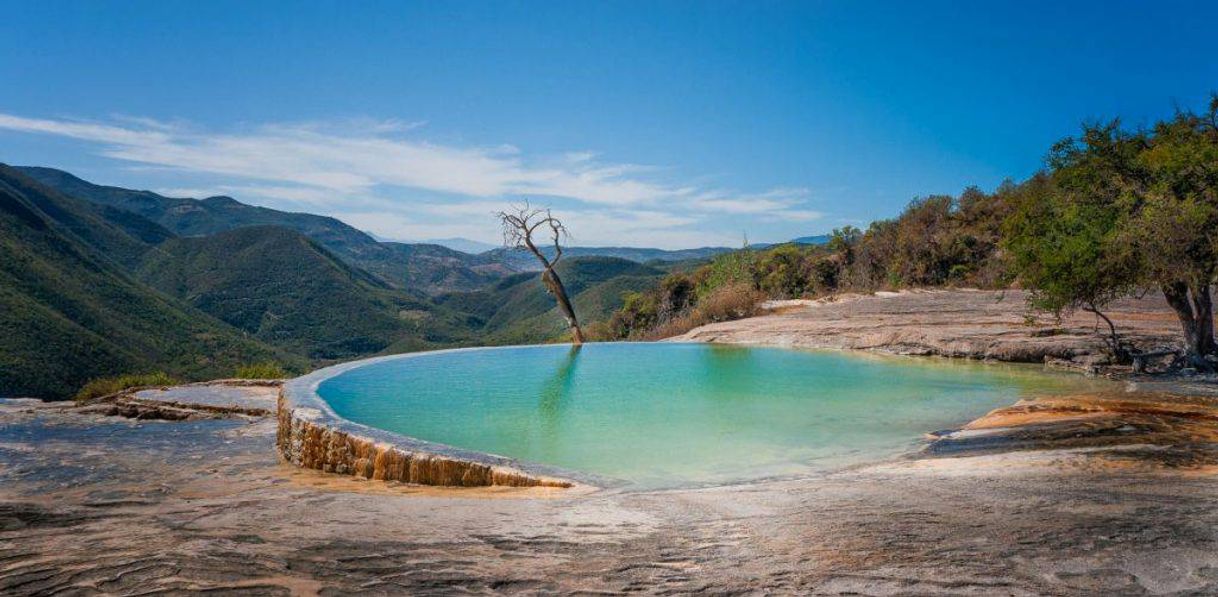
661, 414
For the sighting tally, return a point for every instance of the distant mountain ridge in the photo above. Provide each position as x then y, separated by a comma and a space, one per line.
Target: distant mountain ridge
464, 245
819, 239
522, 260
421, 268
429, 268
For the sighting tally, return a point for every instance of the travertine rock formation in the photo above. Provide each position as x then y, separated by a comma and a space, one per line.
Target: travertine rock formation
310, 439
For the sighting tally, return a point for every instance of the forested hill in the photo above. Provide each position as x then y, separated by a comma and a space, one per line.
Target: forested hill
69, 310
518, 309
429, 268
287, 290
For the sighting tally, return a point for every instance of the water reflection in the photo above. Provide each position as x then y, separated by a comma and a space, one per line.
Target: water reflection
556, 392
725, 369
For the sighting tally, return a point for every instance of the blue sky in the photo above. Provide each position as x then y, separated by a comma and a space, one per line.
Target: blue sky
667, 124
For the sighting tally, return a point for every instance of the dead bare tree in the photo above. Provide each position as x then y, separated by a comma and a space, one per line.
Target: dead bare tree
519, 225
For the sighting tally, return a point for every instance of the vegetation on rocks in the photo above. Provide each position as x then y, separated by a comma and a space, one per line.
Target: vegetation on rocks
267, 370
936, 241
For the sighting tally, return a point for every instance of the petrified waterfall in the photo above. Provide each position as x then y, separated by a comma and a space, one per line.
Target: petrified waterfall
310, 444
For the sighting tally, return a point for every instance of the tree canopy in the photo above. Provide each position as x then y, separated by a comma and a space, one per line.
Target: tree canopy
1123, 210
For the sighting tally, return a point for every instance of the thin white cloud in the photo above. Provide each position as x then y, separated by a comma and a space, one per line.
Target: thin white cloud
591, 228
774, 205
365, 167
85, 130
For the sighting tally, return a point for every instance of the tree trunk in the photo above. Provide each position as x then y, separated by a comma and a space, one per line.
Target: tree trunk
554, 285
1203, 305
1114, 340
1195, 308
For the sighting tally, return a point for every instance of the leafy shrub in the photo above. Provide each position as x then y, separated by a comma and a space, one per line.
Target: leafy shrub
638, 312
727, 303
267, 370
726, 269
105, 386
781, 272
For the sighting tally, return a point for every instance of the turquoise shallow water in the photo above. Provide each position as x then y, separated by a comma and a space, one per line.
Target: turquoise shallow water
661, 415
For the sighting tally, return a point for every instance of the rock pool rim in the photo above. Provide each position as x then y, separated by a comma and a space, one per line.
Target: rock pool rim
311, 435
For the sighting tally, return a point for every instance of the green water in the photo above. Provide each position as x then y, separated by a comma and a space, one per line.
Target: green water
659, 415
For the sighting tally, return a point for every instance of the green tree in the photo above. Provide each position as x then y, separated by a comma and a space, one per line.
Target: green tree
1066, 252
1173, 196
1123, 210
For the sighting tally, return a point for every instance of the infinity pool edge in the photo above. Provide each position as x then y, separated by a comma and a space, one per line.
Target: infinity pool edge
311, 435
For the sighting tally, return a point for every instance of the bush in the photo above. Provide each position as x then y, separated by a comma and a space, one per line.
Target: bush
105, 386
781, 272
726, 269
267, 370
725, 303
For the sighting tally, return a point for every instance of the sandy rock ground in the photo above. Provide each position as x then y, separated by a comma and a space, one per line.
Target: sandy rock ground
1069, 495
95, 504
956, 323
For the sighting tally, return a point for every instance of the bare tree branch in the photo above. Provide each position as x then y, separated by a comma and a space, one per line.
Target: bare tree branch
519, 223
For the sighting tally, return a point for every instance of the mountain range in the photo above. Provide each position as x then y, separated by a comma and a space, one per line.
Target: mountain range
100, 280
424, 268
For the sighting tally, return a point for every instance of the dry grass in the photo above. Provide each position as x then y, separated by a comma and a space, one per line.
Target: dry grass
725, 303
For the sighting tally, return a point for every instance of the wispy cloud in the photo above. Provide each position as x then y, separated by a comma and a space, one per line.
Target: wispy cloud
362, 168
778, 203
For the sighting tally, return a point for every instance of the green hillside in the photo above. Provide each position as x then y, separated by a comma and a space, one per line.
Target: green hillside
422, 268
518, 310
69, 312
289, 291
